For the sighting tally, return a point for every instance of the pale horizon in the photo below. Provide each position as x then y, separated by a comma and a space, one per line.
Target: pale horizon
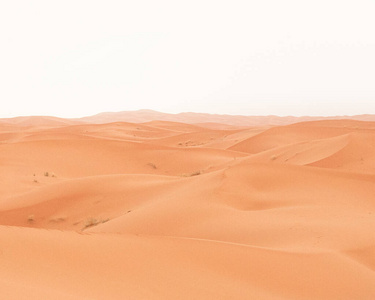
289, 58
187, 112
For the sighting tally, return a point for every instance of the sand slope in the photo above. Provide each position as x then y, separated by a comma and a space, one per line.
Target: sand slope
168, 210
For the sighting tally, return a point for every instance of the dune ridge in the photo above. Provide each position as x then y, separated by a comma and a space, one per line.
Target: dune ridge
203, 119
146, 115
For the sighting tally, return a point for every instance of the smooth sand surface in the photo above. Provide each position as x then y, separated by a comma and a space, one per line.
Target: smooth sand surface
170, 210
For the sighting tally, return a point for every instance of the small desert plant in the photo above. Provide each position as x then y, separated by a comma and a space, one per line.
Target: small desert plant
152, 165
90, 222
46, 174
196, 173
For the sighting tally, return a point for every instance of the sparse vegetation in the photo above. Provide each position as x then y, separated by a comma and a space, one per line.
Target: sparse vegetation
90, 222
190, 144
196, 173
152, 165
31, 218
48, 174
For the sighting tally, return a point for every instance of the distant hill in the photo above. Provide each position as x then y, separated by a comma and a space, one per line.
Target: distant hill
146, 115
47, 121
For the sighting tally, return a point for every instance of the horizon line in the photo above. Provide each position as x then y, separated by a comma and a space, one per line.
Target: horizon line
188, 112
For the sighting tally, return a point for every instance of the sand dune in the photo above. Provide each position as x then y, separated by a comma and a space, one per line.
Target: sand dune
146, 115
40, 121
171, 210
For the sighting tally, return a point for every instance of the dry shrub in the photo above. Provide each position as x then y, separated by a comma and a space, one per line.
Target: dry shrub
31, 218
152, 165
90, 222
196, 173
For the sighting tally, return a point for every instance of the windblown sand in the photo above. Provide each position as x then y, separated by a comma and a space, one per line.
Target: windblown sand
167, 210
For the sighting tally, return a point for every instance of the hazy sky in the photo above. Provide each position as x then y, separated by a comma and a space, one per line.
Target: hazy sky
290, 57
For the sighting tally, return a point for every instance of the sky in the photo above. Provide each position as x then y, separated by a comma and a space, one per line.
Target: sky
266, 57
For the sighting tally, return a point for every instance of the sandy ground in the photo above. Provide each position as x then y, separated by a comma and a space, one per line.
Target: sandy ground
169, 210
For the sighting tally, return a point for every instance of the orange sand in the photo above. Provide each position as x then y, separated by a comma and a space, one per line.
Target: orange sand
171, 210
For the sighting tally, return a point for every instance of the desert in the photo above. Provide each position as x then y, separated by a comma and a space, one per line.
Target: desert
187, 150
161, 209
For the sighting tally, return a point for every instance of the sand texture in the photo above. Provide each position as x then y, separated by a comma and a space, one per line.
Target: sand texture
186, 209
